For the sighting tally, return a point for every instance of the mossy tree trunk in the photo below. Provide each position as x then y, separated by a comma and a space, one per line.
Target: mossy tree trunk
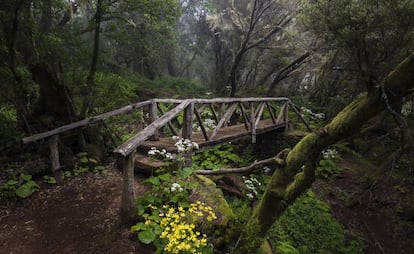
297, 175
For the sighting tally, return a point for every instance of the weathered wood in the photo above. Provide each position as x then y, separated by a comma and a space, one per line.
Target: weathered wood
153, 117
272, 114
286, 116
128, 193
132, 107
175, 101
300, 116
222, 112
223, 120
170, 125
84, 122
54, 159
245, 118
252, 123
232, 133
280, 117
243, 170
213, 111
130, 145
232, 100
200, 120
201, 108
259, 113
187, 132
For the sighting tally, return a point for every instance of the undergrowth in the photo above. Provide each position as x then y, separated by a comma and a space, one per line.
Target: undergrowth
307, 227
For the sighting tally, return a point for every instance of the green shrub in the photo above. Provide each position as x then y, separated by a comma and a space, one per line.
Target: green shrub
23, 188
112, 91
307, 227
216, 158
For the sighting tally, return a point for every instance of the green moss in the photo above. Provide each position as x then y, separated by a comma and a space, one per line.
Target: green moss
213, 196
307, 227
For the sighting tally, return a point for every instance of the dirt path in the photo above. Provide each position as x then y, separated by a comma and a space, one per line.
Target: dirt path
371, 209
80, 217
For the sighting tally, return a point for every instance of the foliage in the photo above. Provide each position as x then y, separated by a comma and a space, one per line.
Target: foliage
86, 164
49, 179
167, 188
10, 134
168, 192
181, 86
315, 120
255, 185
112, 91
308, 228
367, 37
217, 157
173, 230
327, 165
22, 188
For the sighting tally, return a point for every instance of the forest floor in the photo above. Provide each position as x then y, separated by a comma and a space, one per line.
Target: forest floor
377, 209
82, 216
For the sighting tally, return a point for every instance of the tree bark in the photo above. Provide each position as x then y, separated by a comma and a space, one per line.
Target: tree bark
289, 182
54, 99
90, 80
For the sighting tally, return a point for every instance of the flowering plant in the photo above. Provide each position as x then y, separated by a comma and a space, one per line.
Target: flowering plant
173, 230
327, 165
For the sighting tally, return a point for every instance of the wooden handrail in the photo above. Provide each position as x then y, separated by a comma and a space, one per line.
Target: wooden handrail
130, 145
132, 107
85, 122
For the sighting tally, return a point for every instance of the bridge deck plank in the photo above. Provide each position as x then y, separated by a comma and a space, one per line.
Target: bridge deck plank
228, 134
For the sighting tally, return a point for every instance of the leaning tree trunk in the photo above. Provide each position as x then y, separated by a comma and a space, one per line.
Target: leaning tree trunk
296, 176
54, 99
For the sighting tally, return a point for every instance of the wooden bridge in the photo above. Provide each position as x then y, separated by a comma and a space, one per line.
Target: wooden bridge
207, 122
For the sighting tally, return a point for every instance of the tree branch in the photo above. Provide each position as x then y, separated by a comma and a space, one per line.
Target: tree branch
278, 160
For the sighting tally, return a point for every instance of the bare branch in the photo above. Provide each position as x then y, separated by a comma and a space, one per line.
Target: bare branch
278, 160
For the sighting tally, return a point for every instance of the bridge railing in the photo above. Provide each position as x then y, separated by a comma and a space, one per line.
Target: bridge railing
163, 113
249, 112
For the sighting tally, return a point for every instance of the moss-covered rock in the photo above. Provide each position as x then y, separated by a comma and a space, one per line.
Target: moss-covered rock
208, 193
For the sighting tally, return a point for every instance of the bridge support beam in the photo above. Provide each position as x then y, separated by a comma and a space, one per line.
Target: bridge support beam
152, 118
128, 193
187, 131
54, 159
253, 122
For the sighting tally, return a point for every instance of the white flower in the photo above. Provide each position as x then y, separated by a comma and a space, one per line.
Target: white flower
195, 145
176, 187
319, 115
175, 138
249, 195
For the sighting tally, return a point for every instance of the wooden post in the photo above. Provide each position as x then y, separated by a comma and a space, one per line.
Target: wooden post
245, 118
54, 158
128, 193
272, 115
222, 111
187, 131
200, 121
152, 117
280, 116
286, 116
252, 123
